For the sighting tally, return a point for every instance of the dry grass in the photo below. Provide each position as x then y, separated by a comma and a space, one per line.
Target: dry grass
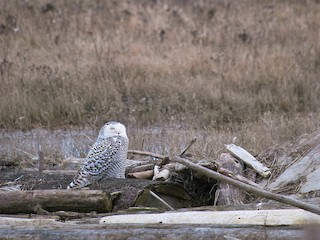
248, 68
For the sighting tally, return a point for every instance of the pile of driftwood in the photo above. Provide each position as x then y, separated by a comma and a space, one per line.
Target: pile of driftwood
165, 183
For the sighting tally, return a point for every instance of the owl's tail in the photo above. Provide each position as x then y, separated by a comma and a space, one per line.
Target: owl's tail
80, 180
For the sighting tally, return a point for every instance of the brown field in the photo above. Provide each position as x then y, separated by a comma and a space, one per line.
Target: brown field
215, 69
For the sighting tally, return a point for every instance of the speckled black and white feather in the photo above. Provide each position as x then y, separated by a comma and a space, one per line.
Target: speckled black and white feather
106, 158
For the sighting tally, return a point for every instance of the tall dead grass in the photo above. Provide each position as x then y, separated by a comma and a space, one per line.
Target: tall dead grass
206, 64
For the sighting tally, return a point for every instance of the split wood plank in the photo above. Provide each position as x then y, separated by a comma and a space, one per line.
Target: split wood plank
250, 160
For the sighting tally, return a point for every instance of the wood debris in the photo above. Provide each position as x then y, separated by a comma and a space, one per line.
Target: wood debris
177, 183
248, 218
31, 201
250, 160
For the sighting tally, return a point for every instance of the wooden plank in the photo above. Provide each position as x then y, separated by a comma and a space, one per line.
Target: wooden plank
282, 217
250, 160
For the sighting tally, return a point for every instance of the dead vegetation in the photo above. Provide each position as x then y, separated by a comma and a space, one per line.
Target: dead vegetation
208, 64
178, 181
157, 203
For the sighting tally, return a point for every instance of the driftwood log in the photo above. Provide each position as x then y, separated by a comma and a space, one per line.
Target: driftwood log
243, 186
278, 217
247, 187
54, 200
130, 190
41, 229
41, 226
296, 164
227, 194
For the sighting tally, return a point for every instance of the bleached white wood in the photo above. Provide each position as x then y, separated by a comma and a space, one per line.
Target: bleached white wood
307, 168
279, 217
250, 160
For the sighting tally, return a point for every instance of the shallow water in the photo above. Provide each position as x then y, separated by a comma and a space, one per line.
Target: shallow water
66, 143
62, 143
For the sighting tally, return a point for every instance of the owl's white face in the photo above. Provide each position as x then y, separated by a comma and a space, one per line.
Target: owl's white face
112, 129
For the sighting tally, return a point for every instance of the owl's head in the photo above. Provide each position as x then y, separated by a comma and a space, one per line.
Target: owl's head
112, 129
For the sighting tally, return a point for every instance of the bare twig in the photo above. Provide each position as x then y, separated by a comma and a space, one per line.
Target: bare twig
247, 187
144, 153
41, 161
161, 200
240, 178
189, 146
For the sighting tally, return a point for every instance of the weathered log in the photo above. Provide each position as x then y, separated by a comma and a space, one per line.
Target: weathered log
282, 217
303, 173
246, 187
173, 195
250, 160
25, 222
130, 188
227, 194
161, 200
40, 230
55, 200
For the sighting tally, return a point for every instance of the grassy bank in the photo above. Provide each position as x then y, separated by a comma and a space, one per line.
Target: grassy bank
206, 64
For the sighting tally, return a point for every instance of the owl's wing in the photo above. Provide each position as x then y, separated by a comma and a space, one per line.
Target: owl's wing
101, 155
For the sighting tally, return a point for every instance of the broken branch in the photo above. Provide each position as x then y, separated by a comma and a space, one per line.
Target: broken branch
144, 153
247, 187
161, 200
189, 146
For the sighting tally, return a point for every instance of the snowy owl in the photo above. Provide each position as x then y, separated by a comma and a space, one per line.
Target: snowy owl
106, 157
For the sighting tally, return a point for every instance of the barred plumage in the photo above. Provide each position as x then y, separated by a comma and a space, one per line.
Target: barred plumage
106, 157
